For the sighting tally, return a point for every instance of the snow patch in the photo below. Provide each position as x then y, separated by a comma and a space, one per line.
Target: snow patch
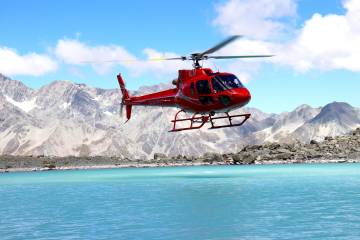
65, 105
26, 106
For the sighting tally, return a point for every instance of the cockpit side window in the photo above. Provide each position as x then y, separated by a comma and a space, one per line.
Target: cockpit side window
217, 85
226, 82
203, 87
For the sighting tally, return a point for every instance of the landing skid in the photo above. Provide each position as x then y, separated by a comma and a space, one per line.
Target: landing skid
198, 120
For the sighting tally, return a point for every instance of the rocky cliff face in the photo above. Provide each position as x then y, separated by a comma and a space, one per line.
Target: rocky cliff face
64, 118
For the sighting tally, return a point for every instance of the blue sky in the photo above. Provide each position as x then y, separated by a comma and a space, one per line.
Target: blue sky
46, 41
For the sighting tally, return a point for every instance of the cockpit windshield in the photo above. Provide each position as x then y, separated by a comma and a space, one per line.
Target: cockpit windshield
225, 82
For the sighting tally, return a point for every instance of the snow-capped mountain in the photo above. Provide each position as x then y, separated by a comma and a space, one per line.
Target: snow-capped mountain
64, 118
334, 119
286, 124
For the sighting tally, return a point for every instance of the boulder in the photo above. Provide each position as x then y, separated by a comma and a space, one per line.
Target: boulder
160, 156
329, 138
213, 157
356, 132
245, 158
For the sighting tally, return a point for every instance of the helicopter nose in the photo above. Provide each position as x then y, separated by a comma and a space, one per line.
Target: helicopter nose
243, 95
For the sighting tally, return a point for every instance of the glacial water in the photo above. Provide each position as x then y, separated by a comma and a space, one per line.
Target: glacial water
224, 202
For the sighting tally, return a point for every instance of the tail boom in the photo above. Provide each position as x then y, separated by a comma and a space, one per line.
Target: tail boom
164, 98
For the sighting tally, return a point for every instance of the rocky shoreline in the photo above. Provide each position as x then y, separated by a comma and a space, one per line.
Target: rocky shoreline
341, 149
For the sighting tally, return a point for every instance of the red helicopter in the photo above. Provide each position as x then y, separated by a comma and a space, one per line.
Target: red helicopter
199, 91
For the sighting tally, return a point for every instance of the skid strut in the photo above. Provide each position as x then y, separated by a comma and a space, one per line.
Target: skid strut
198, 121
246, 116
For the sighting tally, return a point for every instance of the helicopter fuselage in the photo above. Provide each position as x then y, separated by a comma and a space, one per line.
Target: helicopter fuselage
199, 90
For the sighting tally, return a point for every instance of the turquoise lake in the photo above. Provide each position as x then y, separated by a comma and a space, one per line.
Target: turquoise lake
213, 202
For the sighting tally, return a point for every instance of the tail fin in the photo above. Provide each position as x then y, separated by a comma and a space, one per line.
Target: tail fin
125, 98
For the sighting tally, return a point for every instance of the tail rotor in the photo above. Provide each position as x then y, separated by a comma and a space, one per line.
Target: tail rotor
121, 109
126, 100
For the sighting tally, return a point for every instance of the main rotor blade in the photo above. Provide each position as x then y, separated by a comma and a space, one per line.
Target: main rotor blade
133, 60
220, 45
241, 56
109, 61
165, 59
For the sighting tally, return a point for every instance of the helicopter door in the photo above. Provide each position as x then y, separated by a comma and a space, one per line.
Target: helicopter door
203, 89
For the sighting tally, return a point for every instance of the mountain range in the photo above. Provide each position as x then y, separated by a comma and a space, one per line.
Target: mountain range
69, 119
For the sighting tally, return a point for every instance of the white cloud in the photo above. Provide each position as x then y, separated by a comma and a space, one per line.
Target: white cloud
324, 42
75, 52
259, 19
327, 42
248, 47
33, 64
